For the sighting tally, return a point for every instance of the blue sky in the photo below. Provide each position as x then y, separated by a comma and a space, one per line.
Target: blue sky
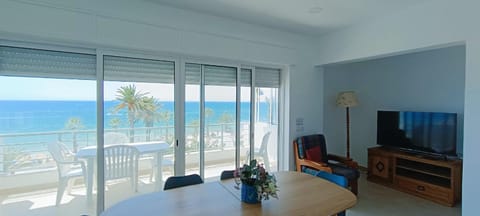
19, 88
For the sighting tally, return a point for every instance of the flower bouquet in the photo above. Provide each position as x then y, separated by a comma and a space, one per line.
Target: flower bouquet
257, 184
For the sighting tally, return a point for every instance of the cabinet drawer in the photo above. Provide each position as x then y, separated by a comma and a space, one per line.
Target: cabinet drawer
433, 192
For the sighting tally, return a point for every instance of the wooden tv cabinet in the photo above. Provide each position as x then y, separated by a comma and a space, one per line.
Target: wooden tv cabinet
434, 179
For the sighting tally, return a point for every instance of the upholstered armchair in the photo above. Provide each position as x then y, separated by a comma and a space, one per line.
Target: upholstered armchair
311, 156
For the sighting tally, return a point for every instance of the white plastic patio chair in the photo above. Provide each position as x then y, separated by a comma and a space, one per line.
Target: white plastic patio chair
121, 161
68, 168
115, 138
262, 151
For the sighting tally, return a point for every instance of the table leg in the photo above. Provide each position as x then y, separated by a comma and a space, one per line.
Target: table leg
89, 178
159, 175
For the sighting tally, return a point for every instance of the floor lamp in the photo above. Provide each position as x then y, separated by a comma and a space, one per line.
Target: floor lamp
347, 99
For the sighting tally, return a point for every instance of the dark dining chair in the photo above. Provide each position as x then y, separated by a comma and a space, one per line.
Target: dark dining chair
181, 181
227, 174
338, 180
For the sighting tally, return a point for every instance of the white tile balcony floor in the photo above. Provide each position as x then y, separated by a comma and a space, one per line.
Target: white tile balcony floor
42, 202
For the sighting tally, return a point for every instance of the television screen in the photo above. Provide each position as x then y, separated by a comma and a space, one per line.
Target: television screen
422, 131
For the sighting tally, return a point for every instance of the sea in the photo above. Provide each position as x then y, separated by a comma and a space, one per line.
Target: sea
29, 116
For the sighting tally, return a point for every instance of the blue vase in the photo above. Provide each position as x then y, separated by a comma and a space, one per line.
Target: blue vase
249, 194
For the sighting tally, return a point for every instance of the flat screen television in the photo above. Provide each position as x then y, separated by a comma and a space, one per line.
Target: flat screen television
428, 132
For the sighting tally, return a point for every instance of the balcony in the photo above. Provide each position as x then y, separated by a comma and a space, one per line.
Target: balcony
28, 174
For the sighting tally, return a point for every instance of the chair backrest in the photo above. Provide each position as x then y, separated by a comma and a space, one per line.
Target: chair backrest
60, 153
227, 174
115, 138
120, 161
263, 147
312, 147
339, 180
181, 181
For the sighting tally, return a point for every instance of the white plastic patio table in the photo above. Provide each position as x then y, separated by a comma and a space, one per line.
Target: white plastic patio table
155, 147
299, 194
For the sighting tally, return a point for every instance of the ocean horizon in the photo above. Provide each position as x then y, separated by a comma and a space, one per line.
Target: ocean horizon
26, 116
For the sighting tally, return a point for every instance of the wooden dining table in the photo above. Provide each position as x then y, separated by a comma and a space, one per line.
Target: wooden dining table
299, 194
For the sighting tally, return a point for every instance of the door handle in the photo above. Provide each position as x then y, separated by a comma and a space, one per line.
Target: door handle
176, 143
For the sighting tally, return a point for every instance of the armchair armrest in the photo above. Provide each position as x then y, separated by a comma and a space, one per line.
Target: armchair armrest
347, 161
70, 162
65, 167
314, 165
81, 163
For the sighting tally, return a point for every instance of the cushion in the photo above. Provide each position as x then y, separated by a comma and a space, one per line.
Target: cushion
314, 154
301, 152
312, 141
309, 170
344, 171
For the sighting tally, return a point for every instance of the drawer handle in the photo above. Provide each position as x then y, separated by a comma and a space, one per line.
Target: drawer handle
421, 188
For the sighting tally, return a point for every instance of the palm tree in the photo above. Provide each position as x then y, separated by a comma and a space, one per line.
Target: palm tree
196, 125
74, 124
166, 116
133, 101
226, 118
149, 114
115, 123
208, 113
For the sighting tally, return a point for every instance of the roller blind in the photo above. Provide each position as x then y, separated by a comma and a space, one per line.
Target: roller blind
214, 75
246, 77
220, 76
193, 74
139, 70
226, 76
267, 77
26, 62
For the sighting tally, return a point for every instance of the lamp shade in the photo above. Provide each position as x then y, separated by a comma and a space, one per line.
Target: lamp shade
347, 99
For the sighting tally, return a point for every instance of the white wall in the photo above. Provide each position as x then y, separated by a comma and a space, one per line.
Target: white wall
431, 81
148, 27
432, 23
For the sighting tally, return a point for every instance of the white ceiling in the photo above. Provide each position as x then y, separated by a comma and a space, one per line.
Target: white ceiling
294, 15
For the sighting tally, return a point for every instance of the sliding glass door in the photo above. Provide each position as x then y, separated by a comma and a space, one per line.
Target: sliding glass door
246, 115
47, 115
138, 115
216, 107
210, 113
64, 106
220, 126
266, 93
193, 106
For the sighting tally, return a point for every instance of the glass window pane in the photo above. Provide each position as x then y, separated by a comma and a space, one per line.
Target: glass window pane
245, 108
219, 119
245, 126
139, 124
192, 129
266, 127
220, 129
192, 118
44, 123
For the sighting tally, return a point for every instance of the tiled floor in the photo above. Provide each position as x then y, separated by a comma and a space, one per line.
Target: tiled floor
373, 199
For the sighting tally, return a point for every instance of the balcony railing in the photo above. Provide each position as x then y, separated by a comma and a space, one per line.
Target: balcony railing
27, 152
